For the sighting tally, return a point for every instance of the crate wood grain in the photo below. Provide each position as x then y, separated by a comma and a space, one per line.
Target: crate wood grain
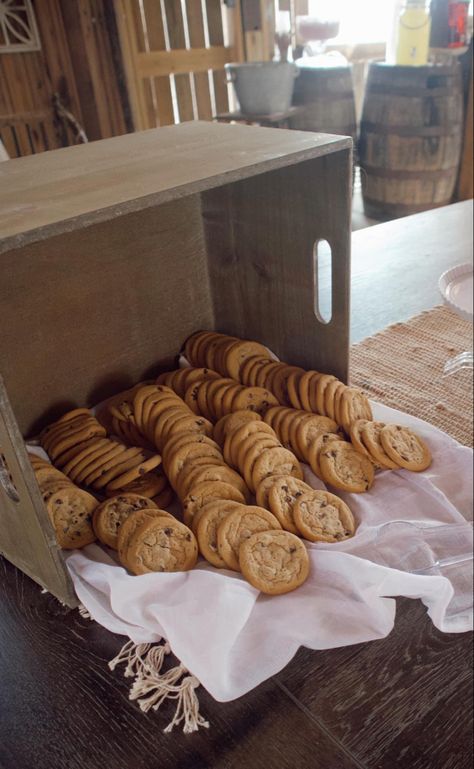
43, 196
112, 253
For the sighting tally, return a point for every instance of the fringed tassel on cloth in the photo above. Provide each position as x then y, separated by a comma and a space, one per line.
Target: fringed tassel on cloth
83, 611
133, 655
151, 689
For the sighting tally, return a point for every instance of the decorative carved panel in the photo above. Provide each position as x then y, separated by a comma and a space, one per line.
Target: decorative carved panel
18, 30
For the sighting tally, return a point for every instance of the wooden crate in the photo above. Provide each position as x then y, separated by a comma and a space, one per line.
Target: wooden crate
112, 253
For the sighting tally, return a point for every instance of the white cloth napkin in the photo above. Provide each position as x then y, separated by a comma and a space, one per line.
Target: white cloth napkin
414, 539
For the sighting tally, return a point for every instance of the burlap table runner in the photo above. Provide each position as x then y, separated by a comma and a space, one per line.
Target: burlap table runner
402, 367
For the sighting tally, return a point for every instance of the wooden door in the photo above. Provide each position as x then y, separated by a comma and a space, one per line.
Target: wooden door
174, 53
28, 123
69, 67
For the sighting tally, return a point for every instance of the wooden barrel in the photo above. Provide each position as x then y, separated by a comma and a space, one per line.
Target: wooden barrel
327, 95
410, 138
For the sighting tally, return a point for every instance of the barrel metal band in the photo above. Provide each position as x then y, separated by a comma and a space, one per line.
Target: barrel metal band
393, 90
449, 129
388, 209
392, 173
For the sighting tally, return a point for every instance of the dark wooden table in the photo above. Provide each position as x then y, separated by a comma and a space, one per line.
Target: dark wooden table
396, 266
404, 701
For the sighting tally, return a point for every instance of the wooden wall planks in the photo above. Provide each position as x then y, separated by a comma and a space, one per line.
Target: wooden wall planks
88, 38
27, 83
160, 86
216, 37
200, 80
177, 34
119, 66
258, 23
80, 62
174, 53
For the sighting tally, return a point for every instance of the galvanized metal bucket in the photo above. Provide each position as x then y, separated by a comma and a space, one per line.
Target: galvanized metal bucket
263, 87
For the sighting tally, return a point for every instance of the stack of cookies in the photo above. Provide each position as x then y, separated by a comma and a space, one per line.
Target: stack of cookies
116, 415
146, 537
149, 539
190, 456
254, 449
214, 496
222, 353
251, 364
258, 371
159, 415
232, 430
311, 438
69, 508
181, 379
154, 541
218, 397
298, 430
249, 539
77, 443
346, 467
212, 396
288, 505
390, 447
316, 515
191, 459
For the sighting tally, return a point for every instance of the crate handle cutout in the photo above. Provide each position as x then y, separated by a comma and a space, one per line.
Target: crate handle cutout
6, 480
322, 276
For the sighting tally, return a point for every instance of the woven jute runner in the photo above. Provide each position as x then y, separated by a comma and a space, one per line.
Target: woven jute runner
402, 367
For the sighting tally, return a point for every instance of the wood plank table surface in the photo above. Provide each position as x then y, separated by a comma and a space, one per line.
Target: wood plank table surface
396, 266
403, 701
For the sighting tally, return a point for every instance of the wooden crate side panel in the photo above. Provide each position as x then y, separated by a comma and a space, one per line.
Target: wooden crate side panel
89, 313
26, 536
41, 196
260, 236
